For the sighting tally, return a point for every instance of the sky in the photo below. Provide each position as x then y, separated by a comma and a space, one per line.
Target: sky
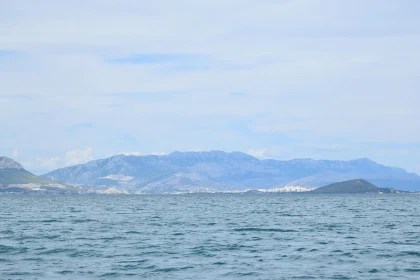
324, 79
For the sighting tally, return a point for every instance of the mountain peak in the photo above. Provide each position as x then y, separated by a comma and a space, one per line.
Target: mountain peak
214, 154
8, 163
364, 160
198, 154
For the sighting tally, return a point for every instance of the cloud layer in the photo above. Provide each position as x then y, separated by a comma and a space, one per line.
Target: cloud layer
297, 78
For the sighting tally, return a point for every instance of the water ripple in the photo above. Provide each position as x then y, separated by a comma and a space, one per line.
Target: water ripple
209, 237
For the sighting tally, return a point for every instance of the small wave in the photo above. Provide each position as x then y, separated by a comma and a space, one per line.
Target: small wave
411, 253
391, 242
50, 236
110, 274
137, 262
10, 249
132, 232
33, 259
202, 251
172, 269
241, 274
290, 215
341, 277
18, 273
65, 272
79, 254
77, 221
50, 221
348, 254
55, 251
264, 229
112, 238
128, 267
234, 247
35, 237
256, 238
386, 256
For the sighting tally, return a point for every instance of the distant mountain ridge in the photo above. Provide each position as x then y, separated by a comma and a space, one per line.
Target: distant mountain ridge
218, 170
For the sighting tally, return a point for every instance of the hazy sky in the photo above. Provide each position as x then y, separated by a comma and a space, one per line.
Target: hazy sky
330, 79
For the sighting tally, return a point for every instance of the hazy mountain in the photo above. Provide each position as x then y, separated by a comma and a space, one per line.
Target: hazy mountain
217, 170
13, 177
352, 187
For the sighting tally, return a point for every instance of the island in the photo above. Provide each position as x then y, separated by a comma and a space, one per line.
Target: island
357, 186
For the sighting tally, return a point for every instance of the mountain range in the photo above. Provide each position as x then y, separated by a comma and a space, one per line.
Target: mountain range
221, 171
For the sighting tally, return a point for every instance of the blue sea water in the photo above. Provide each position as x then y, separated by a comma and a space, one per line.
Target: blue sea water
210, 236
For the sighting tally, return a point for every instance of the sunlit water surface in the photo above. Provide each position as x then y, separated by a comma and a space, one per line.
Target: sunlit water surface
210, 236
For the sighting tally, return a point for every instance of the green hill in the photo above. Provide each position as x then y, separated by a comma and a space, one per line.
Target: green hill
13, 177
10, 176
352, 187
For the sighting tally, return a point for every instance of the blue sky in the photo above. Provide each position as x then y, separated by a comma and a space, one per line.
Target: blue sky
326, 79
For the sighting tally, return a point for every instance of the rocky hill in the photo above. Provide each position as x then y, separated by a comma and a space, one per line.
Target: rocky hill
8, 163
14, 178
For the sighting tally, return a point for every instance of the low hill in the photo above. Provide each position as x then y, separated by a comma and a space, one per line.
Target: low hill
13, 177
352, 187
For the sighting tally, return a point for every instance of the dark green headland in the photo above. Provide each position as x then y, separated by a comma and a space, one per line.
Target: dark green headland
353, 187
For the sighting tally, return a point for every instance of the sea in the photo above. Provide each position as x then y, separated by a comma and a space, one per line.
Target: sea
210, 236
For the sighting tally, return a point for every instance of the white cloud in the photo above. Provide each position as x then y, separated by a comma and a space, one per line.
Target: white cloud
318, 68
50, 163
79, 156
258, 153
130, 153
141, 154
42, 165
158, 153
15, 153
271, 153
